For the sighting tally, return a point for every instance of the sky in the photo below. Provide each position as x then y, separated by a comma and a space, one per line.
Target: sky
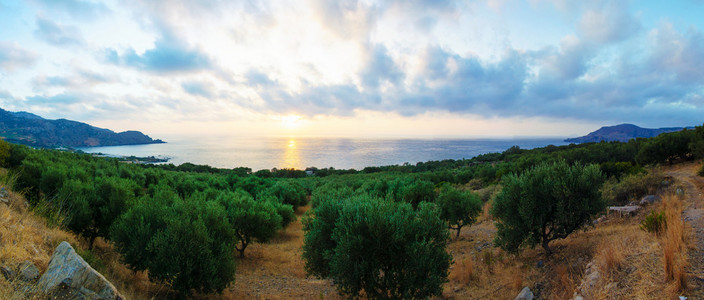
346, 68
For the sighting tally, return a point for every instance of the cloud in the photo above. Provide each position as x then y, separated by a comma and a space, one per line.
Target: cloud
257, 78
609, 21
77, 8
169, 55
59, 99
380, 68
679, 54
81, 79
13, 57
57, 34
460, 84
568, 62
198, 88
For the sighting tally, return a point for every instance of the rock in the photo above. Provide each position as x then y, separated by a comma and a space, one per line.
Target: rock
679, 191
539, 264
28, 271
649, 199
70, 277
578, 297
590, 279
8, 273
3, 196
525, 294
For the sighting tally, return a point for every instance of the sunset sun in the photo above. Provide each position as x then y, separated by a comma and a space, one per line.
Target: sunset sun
291, 121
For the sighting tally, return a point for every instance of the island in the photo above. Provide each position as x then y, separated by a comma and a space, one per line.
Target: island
622, 133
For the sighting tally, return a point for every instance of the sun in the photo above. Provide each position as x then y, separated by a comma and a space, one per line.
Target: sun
290, 121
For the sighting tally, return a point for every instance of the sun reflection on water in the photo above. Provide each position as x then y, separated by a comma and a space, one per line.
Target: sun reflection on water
292, 157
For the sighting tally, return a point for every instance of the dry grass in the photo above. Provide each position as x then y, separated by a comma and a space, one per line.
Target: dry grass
611, 256
463, 272
674, 241
25, 236
275, 270
486, 211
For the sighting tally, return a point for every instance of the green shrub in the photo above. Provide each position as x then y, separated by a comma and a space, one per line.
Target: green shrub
5, 149
386, 249
547, 202
419, 191
458, 208
184, 244
631, 187
290, 192
654, 222
250, 219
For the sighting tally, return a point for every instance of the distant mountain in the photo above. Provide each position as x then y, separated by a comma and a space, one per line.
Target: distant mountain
621, 133
30, 129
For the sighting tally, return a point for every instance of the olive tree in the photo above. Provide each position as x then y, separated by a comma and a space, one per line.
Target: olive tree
186, 244
250, 219
386, 249
458, 208
545, 203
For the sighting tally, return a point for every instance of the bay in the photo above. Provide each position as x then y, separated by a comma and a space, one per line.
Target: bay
295, 152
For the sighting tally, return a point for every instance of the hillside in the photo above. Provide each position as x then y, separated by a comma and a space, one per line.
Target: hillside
30, 129
621, 133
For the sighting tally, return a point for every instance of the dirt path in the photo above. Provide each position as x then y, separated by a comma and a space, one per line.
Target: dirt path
686, 176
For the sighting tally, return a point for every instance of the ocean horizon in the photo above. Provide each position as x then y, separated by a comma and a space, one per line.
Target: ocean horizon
260, 153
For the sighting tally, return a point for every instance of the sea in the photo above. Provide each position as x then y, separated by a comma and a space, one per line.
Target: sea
260, 153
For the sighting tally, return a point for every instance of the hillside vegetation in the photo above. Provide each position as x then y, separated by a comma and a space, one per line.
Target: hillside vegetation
30, 129
392, 220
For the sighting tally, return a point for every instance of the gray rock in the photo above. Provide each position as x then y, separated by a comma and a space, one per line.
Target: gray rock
649, 199
70, 277
578, 297
8, 273
525, 294
28, 271
3, 196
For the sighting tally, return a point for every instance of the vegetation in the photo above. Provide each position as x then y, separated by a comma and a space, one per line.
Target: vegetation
458, 208
545, 203
182, 223
654, 222
386, 249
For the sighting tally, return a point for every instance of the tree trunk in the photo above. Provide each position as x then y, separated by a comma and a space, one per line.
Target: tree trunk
458, 232
241, 250
548, 251
90, 242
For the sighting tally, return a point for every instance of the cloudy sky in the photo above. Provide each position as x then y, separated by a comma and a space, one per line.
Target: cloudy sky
355, 68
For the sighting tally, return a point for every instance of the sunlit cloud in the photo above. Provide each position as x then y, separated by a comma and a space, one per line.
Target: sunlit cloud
275, 67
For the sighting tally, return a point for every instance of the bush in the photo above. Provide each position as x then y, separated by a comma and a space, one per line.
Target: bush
419, 191
289, 192
185, 244
654, 222
547, 202
5, 149
250, 219
458, 208
383, 248
631, 187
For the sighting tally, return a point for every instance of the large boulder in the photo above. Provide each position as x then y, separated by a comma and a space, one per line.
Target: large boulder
70, 277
